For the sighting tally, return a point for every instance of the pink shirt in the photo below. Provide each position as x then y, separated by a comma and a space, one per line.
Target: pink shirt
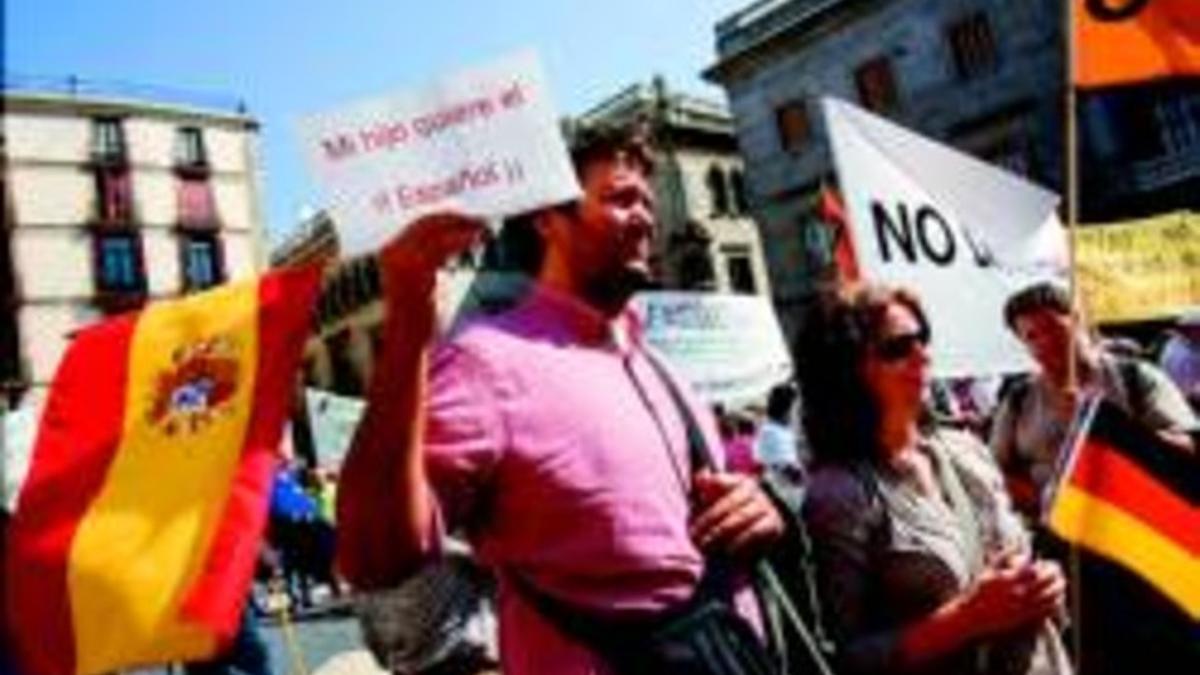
557, 447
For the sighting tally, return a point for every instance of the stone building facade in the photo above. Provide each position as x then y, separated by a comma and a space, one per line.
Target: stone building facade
983, 75
109, 203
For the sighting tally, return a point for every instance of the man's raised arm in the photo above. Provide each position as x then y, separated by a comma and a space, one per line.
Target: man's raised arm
386, 524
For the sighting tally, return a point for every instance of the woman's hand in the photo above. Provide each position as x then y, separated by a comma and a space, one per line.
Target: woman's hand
1011, 593
1011, 596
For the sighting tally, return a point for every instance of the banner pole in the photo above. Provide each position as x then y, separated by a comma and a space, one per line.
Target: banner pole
1071, 171
1072, 188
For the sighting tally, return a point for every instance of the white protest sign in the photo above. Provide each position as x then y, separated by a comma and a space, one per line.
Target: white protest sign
17, 433
728, 346
333, 420
485, 142
962, 233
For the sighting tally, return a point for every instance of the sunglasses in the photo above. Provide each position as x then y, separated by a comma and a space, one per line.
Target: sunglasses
899, 347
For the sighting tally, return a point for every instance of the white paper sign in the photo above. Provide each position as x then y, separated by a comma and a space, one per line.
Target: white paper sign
962, 233
485, 142
333, 420
728, 346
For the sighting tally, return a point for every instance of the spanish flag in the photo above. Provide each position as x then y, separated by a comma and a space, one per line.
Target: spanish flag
136, 534
1128, 41
1126, 496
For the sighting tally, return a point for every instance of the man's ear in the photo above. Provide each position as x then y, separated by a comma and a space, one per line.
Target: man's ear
555, 220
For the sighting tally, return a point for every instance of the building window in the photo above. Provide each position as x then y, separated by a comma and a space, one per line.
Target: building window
119, 263
108, 140
196, 203
737, 183
201, 260
877, 85
1010, 153
791, 121
972, 45
1154, 124
717, 194
189, 148
740, 270
689, 250
114, 195
1178, 115
1138, 126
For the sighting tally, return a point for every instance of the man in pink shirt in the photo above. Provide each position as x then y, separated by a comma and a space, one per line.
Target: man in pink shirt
548, 434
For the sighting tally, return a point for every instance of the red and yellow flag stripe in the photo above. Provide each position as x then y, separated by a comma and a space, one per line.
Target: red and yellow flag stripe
137, 531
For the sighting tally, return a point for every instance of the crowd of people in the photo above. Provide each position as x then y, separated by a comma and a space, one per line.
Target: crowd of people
536, 491
628, 527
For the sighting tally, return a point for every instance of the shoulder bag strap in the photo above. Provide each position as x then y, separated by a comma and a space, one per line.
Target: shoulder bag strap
698, 452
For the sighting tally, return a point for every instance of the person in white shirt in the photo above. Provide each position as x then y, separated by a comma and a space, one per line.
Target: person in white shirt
777, 447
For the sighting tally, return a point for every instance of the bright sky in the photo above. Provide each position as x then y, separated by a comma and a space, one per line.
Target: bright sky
290, 58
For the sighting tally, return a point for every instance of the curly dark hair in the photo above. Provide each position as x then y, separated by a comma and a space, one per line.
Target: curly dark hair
605, 140
841, 417
1039, 296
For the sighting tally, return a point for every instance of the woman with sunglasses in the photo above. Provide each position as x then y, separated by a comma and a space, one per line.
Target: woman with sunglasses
922, 565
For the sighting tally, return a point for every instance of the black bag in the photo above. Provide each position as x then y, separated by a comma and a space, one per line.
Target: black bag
703, 636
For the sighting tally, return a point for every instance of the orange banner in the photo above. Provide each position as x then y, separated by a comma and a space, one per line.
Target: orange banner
1127, 41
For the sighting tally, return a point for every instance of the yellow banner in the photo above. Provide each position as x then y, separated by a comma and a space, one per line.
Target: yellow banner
1140, 269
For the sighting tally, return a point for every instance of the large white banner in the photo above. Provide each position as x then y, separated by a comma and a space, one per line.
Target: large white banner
729, 346
333, 420
484, 142
962, 233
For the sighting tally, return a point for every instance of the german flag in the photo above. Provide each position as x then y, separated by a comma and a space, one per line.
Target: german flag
136, 533
1127, 41
1127, 496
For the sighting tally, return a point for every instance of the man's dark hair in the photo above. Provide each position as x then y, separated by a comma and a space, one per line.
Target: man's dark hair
841, 416
1039, 296
602, 141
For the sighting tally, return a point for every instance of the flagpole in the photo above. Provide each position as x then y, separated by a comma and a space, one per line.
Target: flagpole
291, 644
1071, 183
1072, 187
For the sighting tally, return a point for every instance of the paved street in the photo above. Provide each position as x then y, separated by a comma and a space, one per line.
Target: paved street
318, 639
